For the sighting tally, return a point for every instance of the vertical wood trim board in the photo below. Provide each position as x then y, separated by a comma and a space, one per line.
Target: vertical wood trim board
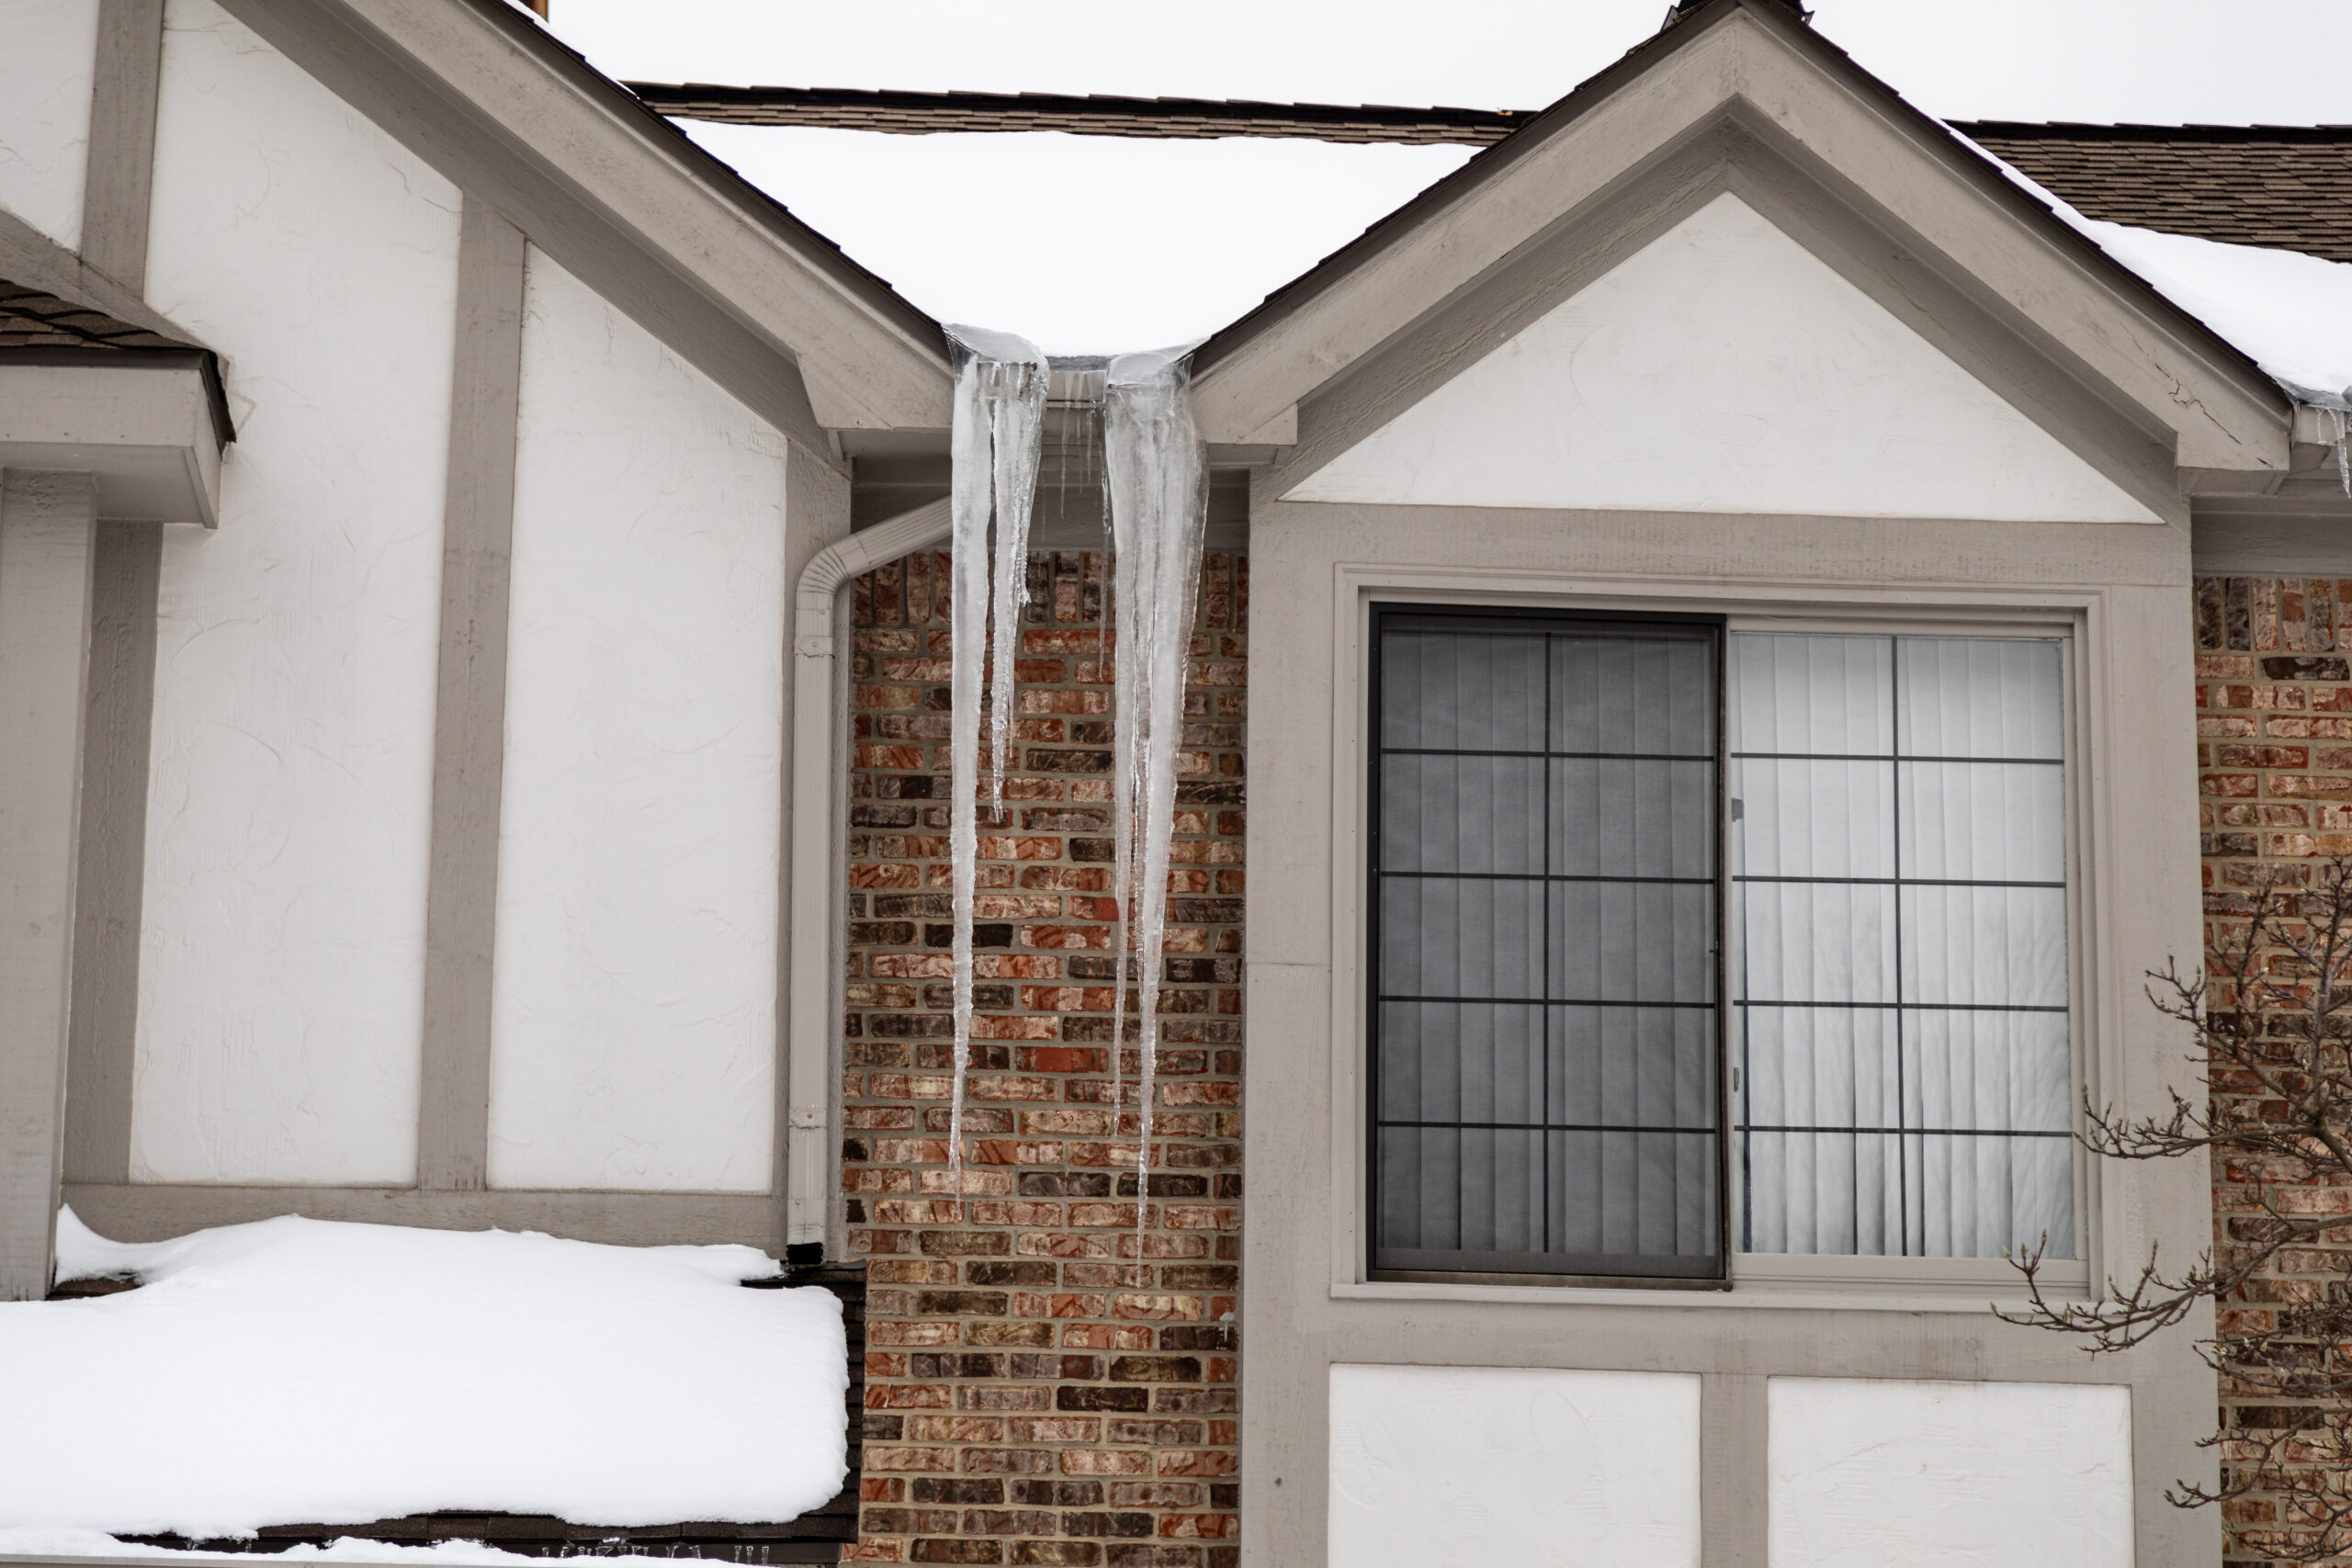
46, 529
119, 175
1734, 1472
469, 721
111, 883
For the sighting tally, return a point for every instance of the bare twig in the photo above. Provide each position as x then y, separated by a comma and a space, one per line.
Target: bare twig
2271, 1011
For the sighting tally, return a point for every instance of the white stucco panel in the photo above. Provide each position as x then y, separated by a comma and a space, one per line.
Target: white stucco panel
1461, 1467
283, 948
633, 1032
1723, 367
48, 51
1869, 1474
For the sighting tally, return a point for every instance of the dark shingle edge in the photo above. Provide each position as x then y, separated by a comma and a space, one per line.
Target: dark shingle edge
40, 328
921, 114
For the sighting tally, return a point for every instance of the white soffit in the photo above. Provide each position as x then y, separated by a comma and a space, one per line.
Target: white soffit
1501, 1465
1723, 367
1959, 1475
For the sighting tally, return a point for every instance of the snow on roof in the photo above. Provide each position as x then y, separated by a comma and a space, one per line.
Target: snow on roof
1082, 244
2289, 312
1097, 244
2284, 186
37, 1542
301, 1372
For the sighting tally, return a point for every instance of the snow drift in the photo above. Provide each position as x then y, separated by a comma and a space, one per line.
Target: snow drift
299, 1372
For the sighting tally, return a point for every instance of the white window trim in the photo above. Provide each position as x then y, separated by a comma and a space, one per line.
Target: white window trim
1757, 1280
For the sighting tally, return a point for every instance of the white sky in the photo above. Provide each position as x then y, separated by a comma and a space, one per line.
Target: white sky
2277, 62
1093, 245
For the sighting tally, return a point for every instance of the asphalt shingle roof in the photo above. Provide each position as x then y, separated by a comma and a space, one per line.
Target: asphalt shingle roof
2285, 187
30, 318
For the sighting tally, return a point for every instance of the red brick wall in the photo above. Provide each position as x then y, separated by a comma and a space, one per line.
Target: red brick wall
1046, 1383
2274, 725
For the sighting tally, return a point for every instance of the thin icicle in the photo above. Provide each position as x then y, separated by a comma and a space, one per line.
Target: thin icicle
980, 389
1121, 895
1016, 398
1156, 470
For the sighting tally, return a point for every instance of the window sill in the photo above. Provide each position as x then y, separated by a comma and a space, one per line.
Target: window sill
1810, 1284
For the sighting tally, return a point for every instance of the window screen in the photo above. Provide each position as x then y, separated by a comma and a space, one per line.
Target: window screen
1903, 1074
1545, 1047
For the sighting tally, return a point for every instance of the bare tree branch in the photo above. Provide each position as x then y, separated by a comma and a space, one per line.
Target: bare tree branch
2271, 1014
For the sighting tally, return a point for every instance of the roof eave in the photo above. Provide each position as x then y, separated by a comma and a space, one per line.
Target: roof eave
1232, 343
626, 201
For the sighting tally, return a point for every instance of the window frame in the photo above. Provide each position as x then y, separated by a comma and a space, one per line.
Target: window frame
1839, 1270
1717, 1278
1750, 1279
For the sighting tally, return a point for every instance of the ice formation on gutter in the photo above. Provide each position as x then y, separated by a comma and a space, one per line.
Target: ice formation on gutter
999, 436
1153, 459
1155, 495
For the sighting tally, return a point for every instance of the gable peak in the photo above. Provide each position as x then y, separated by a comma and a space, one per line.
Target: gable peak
1680, 10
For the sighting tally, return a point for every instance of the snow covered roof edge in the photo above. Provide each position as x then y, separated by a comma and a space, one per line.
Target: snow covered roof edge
2112, 249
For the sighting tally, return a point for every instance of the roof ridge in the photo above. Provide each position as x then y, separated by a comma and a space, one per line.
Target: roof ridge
2138, 130
919, 111
912, 112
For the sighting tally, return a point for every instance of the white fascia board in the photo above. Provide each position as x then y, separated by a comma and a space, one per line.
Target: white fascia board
866, 364
144, 432
2223, 414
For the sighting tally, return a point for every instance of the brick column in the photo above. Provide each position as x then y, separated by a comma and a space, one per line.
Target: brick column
2274, 724
1047, 1382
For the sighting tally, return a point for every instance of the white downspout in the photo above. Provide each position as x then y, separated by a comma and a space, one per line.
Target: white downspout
820, 862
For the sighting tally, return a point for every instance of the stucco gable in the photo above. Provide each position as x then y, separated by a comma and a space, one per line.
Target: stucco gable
1743, 73
1723, 367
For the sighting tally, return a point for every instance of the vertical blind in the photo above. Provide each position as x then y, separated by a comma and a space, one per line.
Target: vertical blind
1546, 1045
1903, 1074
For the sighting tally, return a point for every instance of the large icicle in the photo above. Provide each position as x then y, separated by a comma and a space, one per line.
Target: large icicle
994, 447
1156, 470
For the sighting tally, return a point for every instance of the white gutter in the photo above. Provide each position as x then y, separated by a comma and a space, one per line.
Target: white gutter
820, 861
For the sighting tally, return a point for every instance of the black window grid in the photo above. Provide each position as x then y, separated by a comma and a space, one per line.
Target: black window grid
1684, 1270
1904, 1135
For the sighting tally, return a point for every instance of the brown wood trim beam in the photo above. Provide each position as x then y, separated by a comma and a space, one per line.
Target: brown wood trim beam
469, 717
119, 173
159, 1211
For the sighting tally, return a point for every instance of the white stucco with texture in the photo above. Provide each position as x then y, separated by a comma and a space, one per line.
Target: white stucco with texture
1438, 1466
633, 1041
1723, 367
282, 954
1873, 1474
48, 51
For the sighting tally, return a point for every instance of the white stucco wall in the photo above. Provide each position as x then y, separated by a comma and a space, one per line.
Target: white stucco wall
281, 960
1434, 1466
47, 51
634, 1034
1723, 367
1949, 1474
